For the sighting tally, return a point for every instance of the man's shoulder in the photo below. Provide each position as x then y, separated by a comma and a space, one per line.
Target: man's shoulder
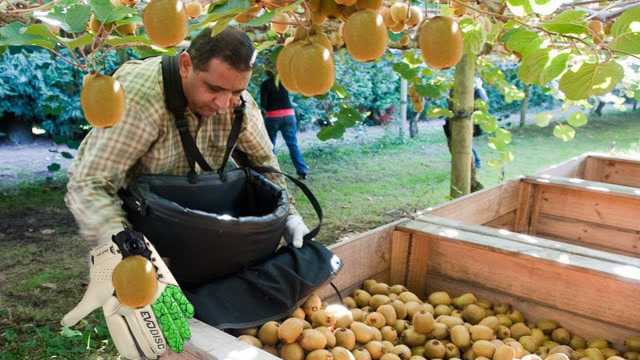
141, 79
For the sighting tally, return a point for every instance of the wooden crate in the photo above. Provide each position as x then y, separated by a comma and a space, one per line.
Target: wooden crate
594, 214
609, 169
589, 292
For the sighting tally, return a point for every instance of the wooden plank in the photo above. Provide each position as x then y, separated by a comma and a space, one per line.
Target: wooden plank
417, 265
535, 211
209, 343
328, 294
596, 235
586, 185
592, 288
617, 171
482, 206
572, 168
400, 242
602, 207
505, 221
523, 212
450, 226
591, 169
586, 327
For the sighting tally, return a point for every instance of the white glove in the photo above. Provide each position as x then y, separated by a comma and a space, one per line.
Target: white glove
145, 332
295, 230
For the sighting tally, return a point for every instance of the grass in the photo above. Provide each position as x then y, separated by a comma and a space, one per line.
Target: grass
43, 267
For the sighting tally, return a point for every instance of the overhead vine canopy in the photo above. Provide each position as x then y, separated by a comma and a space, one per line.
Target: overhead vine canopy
577, 49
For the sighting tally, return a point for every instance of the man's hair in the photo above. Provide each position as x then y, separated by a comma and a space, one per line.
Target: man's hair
231, 45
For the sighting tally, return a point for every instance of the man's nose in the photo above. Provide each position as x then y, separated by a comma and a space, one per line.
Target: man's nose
223, 100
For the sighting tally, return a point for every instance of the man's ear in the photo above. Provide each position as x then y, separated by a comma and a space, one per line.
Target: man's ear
186, 66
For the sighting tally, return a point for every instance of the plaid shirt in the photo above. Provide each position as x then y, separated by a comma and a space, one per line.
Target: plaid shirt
146, 141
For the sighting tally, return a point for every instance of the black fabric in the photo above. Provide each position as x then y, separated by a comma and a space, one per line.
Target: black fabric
266, 291
273, 97
210, 228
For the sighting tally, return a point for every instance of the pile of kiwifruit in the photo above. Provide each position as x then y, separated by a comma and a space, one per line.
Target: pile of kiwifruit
391, 323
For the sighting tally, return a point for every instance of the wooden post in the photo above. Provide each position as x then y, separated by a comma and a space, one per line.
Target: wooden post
403, 107
461, 126
525, 106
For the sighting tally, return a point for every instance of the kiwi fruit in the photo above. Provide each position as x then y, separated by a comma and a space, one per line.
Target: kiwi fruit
435, 349
340, 353
377, 334
292, 352
411, 337
501, 308
357, 314
546, 325
328, 334
452, 351
564, 349
268, 333
473, 313
312, 340
361, 354
609, 352
312, 304
516, 316
423, 322
381, 289
249, 331
368, 284
440, 331
484, 303
362, 332
389, 333
598, 343
299, 313
557, 356
401, 325
397, 289
390, 356
504, 352
361, 297
632, 355
460, 336
290, 330
577, 342
378, 300
374, 348
402, 351
537, 334
469, 355
593, 353
322, 318
561, 336
251, 340
400, 308
320, 354
449, 320
412, 307
529, 343
504, 320
439, 298
519, 329
341, 314
345, 338
483, 348
376, 320
503, 332
393, 296
481, 332
632, 343
389, 313
349, 302
418, 357
491, 322
519, 349
464, 300
418, 350
407, 296
442, 310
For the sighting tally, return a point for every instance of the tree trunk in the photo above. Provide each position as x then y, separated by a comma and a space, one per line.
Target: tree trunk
403, 108
462, 126
525, 106
413, 126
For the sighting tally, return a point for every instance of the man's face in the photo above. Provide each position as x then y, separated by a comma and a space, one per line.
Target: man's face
215, 89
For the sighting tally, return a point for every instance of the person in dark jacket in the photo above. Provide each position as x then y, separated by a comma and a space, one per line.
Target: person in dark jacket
279, 116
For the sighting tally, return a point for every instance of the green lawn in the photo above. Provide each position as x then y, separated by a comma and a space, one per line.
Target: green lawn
43, 261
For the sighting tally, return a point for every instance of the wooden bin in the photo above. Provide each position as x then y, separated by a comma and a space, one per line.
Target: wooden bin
594, 214
604, 168
589, 292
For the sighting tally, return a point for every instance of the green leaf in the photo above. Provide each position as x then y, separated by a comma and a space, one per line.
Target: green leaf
439, 112
136, 40
265, 45
14, 35
532, 66
543, 119
412, 58
340, 91
496, 144
474, 36
591, 79
66, 155
545, 7
406, 71
564, 132
53, 167
577, 119
555, 68
69, 332
77, 17
267, 16
627, 43
40, 30
503, 135
429, 90
220, 25
331, 132
106, 12
519, 7
568, 22
522, 41
349, 116
393, 37
623, 23
227, 9
487, 122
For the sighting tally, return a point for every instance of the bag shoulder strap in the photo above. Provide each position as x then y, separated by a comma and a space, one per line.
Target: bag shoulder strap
176, 102
236, 126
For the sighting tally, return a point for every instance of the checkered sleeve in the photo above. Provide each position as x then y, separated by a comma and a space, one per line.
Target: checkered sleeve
104, 159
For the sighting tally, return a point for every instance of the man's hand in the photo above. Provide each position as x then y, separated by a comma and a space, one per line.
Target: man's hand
295, 230
145, 332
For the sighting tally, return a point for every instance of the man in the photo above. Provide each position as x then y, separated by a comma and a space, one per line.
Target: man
214, 72
280, 117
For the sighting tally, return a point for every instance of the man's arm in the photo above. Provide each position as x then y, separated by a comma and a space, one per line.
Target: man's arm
99, 171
